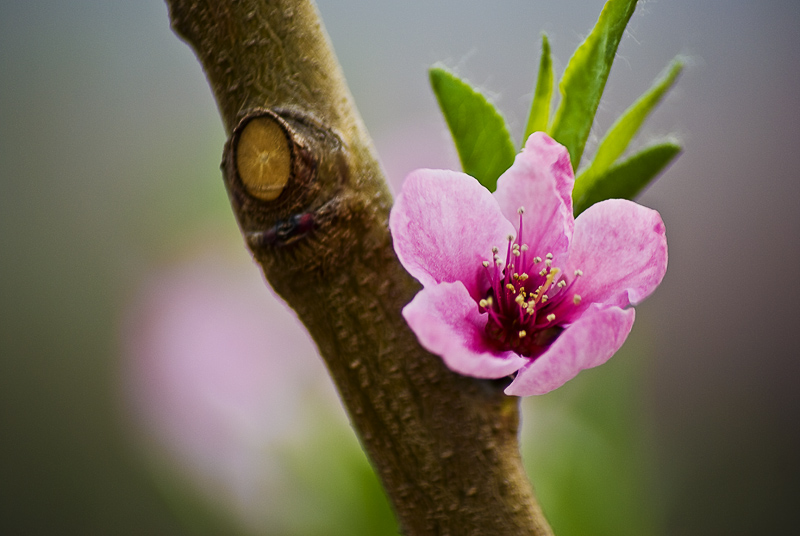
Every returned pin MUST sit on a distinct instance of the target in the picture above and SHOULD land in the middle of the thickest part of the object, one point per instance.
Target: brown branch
(312, 204)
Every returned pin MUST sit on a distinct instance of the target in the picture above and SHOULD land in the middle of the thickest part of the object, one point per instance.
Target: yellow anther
(495, 250)
(576, 299)
(578, 273)
(537, 260)
(549, 256)
(485, 264)
(522, 334)
(483, 303)
(510, 287)
(520, 299)
(524, 247)
(543, 272)
(562, 284)
(523, 277)
(551, 317)
(548, 263)
(521, 210)
(516, 252)
(544, 298)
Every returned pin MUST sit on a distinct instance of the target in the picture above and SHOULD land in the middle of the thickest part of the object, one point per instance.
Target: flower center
(527, 298)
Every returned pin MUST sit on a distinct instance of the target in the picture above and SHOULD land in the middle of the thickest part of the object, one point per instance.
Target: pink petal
(621, 249)
(589, 342)
(447, 323)
(444, 225)
(540, 180)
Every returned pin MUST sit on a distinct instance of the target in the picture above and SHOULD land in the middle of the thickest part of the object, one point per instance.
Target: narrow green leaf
(480, 133)
(624, 129)
(628, 178)
(540, 107)
(585, 78)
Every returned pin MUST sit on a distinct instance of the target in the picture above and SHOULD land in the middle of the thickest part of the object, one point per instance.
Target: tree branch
(312, 204)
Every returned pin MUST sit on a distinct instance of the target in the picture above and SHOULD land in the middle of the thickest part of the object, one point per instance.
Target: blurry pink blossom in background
(218, 373)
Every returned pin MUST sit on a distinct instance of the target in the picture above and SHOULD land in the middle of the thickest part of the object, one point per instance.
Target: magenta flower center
(527, 298)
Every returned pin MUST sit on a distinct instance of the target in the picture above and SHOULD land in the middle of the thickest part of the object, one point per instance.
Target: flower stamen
(526, 307)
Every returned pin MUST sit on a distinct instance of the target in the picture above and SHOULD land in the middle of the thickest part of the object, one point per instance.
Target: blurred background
(151, 384)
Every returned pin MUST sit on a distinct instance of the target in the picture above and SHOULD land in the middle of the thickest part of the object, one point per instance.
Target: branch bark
(312, 204)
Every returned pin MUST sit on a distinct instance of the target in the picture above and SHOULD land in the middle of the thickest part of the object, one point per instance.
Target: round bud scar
(263, 158)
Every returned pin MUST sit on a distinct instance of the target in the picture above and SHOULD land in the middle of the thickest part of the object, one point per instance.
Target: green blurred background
(116, 229)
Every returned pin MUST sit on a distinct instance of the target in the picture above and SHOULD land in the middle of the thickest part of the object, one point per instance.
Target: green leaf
(625, 128)
(540, 107)
(627, 179)
(585, 78)
(480, 133)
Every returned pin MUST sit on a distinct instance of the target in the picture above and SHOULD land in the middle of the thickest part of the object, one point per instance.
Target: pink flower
(512, 283)
(222, 380)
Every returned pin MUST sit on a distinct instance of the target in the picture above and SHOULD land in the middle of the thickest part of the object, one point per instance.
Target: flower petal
(589, 342)
(540, 180)
(447, 323)
(621, 248)
(444, 224)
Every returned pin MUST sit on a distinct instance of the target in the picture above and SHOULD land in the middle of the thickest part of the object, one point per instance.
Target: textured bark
(445, 446)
